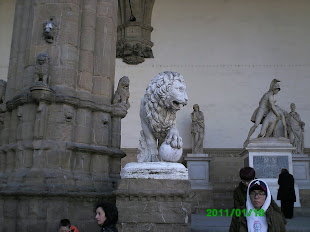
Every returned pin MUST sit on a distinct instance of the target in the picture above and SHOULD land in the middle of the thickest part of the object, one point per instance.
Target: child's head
(64, 225)
(247, 174)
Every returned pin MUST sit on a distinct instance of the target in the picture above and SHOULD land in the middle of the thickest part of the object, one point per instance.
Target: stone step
(201, 223)
(301, 212)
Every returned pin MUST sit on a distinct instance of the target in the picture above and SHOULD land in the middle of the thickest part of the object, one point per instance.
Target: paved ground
(201, 223)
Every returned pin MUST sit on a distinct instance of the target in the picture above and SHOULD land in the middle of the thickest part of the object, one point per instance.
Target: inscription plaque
(269, 166)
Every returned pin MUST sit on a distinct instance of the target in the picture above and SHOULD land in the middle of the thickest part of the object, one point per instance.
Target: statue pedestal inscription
(154, 196)
(198, 168)
(268, 156)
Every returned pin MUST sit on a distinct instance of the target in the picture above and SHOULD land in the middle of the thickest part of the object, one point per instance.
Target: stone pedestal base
(301, 170)
(268, 156)
(154, 170)
(154, 204)
(198, 169)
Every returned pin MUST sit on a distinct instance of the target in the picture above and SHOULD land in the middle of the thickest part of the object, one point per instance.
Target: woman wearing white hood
(258, 216)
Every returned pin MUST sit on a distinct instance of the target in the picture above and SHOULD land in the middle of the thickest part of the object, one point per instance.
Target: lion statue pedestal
(158, 196)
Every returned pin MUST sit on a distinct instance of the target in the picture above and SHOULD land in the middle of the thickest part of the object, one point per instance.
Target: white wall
(7, 8)
(228, 52)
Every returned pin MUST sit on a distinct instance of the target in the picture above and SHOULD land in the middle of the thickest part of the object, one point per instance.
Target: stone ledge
(61, 194)
(156, 196)
(155, 170)
(269, 144)
(51, 144)
(102, 150)
(25, 97)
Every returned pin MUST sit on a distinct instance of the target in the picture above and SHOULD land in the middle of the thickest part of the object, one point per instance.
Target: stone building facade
(60, 133)
(227, 51)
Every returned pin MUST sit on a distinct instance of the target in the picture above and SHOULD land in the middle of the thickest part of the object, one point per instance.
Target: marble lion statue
(164, 96)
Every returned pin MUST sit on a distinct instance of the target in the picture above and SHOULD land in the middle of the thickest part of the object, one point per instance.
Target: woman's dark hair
(284, 170)
(247, 173)
(110, 211)
(64, 223)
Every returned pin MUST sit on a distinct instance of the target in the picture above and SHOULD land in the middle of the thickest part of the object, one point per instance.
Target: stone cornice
(116, 110)
(56, 194)
(50, 144)
(167, 196)
(212, 152)
(102, 150)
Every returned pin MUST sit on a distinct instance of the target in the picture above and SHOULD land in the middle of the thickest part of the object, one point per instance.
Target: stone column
(57, 148)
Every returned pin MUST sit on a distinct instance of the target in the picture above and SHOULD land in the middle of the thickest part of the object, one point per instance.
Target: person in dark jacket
(286, 193)
(258, 214)
(247, 174)
(65, 226)
(106, 216)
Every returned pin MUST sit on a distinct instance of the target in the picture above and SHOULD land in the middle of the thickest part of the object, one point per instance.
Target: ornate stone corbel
(134, 32)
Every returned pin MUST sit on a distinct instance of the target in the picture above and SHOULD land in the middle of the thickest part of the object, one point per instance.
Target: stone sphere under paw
(167, 153)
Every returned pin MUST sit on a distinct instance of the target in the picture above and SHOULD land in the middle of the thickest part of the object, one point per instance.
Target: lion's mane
(160, 116)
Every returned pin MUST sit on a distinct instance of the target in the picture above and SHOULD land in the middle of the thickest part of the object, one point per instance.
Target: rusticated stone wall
(60, 136)
(154, 205)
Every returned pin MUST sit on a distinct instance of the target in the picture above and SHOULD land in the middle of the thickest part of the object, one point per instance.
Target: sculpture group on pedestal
(164, 96)
(276, 122)
(266, 104)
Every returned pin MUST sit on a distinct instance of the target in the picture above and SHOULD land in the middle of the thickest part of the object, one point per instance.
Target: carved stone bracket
(40, 92)
(134, 32)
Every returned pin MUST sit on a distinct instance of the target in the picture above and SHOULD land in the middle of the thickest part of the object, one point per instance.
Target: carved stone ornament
(122, 93)
(41, 92)
(164, 96)
(134, 31)
(50, 30)
(41, 70)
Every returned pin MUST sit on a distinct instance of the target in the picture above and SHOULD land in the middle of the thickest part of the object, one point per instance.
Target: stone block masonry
(59, 136)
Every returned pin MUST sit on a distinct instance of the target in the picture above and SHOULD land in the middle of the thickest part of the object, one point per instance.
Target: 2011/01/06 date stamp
(236, 212)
